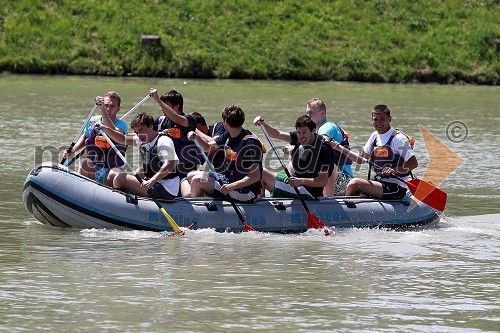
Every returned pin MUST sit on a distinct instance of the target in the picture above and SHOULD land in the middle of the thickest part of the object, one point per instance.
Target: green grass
(377, 41)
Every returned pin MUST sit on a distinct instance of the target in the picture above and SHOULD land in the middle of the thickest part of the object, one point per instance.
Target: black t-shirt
(164, 123)
(309, 160)
(216, 130)
(248, 151)
(217, 158)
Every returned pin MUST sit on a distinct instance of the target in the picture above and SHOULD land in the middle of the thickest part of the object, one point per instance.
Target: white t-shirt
(166, 152)
(399, 145)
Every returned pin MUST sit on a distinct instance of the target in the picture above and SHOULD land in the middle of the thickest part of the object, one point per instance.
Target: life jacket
(232, 167)
(222, 158)
(151, 162)
(231, 155)
(383, 156)
(342, 159)
(99, 150)
(187, 152)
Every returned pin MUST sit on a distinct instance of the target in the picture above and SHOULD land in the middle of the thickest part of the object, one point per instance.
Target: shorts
(284, 190)
(182, 176)
(341, 183)
(392, 191)
(183, 170)
(241, 194)
(157, 191)
(101, 174)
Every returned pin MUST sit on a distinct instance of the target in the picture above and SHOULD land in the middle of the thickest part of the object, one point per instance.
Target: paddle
(423, 191)
(77, 136)
(246, 227)
(135, 107)
(312, 220)
(170, 220)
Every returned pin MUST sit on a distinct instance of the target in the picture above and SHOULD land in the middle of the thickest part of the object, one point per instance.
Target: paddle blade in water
(171, 221)
(428, 193)
(315, 223)
(246, 227)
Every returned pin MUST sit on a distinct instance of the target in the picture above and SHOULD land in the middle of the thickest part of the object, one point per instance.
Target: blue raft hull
(56, 196)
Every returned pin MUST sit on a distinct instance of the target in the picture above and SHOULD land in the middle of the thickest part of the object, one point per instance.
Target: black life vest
(151, 162)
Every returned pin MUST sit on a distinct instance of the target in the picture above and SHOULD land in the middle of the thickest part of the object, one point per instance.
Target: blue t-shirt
(333, 131)
(117, 122)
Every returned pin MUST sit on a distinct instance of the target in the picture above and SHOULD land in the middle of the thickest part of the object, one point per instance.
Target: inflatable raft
(56, 196)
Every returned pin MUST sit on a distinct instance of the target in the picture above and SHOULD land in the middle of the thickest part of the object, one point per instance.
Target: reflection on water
(443, 279)
(103, 280)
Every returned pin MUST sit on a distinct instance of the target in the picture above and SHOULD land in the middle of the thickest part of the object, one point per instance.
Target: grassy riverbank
(378, 41)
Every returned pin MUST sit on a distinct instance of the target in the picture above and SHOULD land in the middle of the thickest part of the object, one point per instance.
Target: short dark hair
(200, 120)
(304, 121)
(174, 98)
(233, 115)
(381, 108)
(143, 118)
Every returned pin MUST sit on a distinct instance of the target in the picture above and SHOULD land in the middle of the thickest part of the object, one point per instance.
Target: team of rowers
(170, 150)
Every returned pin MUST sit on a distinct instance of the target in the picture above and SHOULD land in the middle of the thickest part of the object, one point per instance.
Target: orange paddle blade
(314, 222)
(428, 193)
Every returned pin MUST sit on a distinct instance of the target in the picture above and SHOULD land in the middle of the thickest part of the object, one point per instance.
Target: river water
(444, 279)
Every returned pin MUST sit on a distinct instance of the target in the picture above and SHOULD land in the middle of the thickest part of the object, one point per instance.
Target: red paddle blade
(246, 227)
(428, 193)
(315, 223)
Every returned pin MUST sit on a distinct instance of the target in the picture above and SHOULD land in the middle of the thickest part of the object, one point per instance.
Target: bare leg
(130, 183)
(111, 176)
(358, 186)
(191, 174)
(201, 184)
(268, 180)
(87, 168)
(185, 188)
(329, 189)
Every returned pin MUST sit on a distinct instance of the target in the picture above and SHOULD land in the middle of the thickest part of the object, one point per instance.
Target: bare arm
(272, 131)
(79, 144)
(203, 136)
(117, 135)
(169, 112)
(209, 147)
(350, 155)
(408, 166)
(320, 181)
(253, 176)
(167, 168)
(106, 120)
